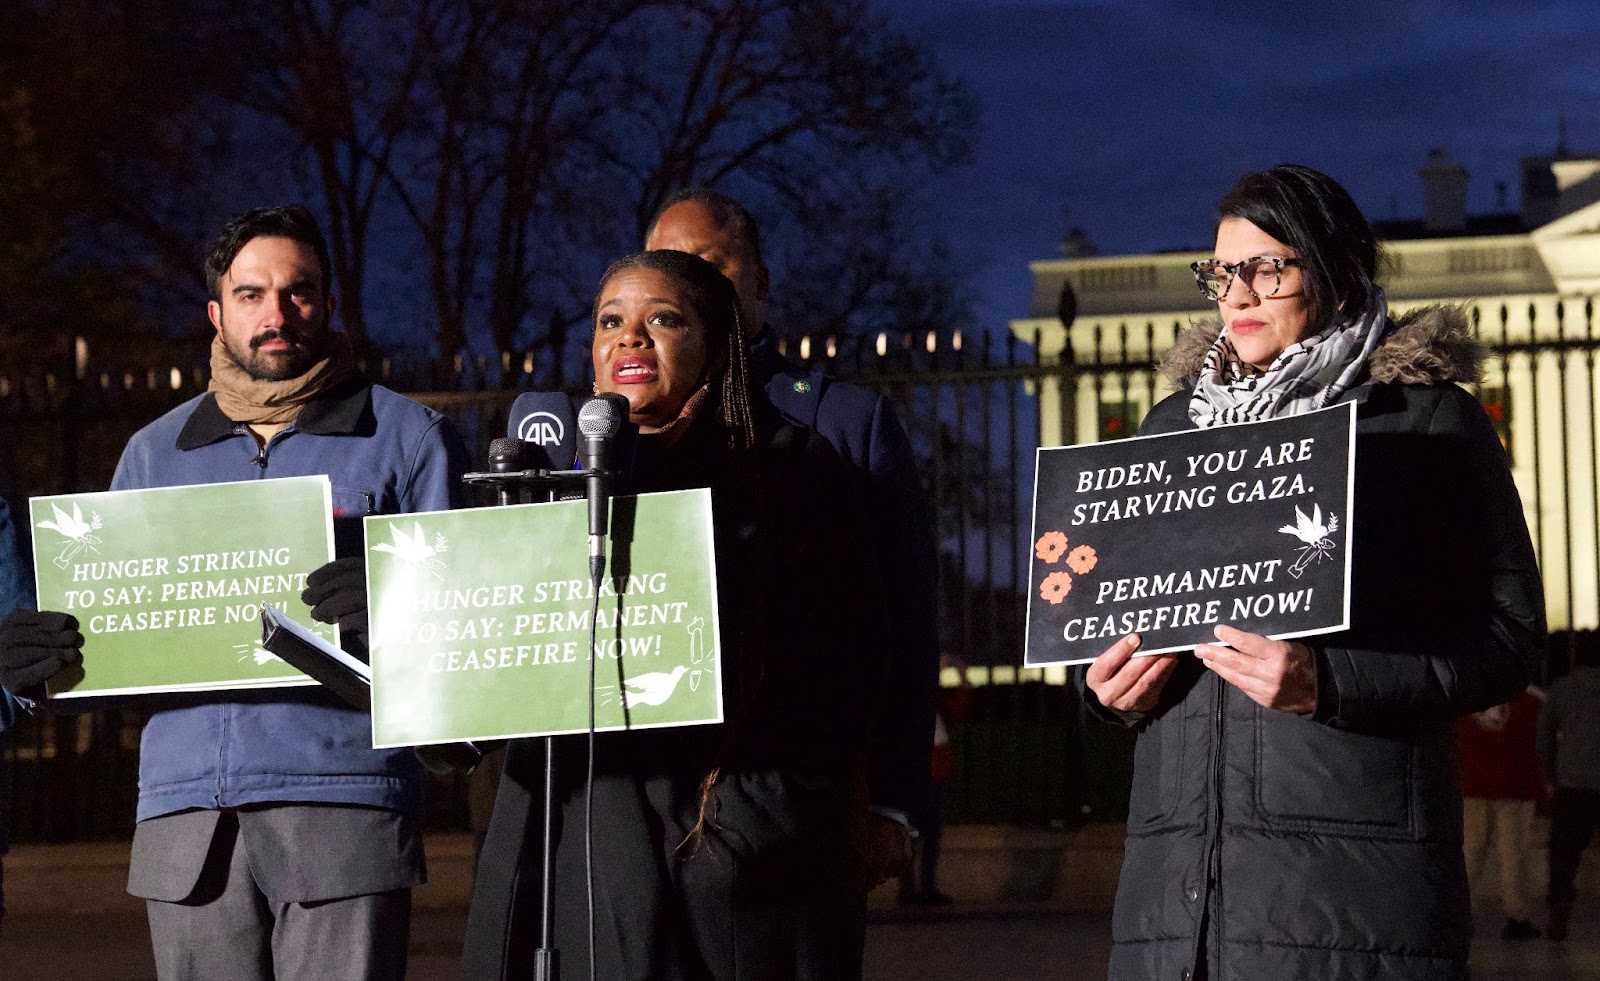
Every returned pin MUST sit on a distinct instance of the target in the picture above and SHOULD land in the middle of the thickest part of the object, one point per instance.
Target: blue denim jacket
(384, 454)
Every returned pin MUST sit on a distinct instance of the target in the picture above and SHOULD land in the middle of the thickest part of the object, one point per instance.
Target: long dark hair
(715, 303)
(1311, 213)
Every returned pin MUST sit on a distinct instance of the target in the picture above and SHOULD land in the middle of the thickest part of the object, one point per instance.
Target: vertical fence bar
(1538, 468)
(1566, 467)
(1594, 434)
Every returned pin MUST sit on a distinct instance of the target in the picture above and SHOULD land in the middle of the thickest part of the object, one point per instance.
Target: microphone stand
(546, 484)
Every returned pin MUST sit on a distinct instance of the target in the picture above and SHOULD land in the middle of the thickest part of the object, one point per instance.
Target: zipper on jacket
(263, 450)
(1209, 920)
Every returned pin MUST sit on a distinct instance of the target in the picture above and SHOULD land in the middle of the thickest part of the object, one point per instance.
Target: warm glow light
(805, 349)
(955, 341)
(833, 348)
(80, 355)
(177, 379)
(883, 344)
(933, 341)
(527, 363)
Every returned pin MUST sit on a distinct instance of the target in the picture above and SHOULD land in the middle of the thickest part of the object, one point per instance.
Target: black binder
(345, 676)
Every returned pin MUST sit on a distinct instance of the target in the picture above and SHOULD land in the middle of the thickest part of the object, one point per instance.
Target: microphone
(599, 421)
(544, 423)
(505, 456)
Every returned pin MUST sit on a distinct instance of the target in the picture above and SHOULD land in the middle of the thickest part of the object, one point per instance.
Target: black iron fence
(976, 409)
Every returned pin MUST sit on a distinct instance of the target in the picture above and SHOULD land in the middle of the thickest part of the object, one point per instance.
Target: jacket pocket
(1157, 771)
(1311, 774)
(350, 505)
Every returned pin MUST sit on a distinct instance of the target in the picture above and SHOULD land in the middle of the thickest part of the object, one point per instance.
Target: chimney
(1444, 193)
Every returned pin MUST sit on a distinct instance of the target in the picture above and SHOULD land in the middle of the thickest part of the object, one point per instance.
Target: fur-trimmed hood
(1429, 345)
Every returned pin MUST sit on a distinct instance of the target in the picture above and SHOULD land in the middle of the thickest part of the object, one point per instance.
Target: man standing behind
(273, 842)
(862, 426)
(1569, 755)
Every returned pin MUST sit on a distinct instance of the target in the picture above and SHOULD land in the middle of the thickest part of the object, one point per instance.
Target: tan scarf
(245, 399)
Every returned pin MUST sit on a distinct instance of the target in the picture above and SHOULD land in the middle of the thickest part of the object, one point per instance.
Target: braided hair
(712, 298)
(714, 301)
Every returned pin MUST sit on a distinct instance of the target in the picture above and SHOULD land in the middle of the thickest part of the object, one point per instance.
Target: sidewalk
(959, 943)
(71, 920)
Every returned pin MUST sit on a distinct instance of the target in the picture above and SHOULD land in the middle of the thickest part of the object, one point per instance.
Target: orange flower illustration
(1055, 587)
(1083, 559)
(1050, 546)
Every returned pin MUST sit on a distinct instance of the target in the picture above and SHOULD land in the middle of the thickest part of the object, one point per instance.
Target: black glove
(35, 647)
(337, 593)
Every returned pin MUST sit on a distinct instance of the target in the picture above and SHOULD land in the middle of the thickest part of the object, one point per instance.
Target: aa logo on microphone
(543, 428)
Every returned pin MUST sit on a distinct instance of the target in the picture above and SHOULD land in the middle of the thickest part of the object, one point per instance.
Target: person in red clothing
(920, 882)
(1500, 783)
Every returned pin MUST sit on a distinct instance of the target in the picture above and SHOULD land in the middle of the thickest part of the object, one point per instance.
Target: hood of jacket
(1429, 345)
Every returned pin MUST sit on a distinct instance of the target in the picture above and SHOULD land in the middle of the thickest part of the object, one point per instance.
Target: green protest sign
(167, 582)
(481, 618)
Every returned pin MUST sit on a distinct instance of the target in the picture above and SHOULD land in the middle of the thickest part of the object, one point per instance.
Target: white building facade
(1534, 293)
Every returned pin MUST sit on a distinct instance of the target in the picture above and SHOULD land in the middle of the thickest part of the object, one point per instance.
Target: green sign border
(714, 627)
(295, 680)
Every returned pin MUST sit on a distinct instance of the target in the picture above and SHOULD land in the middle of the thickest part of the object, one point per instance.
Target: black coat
(1271, 845)
(864, 428)
(767, 891)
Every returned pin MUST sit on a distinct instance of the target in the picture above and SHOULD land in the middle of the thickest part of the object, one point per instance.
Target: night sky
(1137, 116)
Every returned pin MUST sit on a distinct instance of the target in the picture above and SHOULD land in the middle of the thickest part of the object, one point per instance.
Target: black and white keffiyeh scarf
(1309, 374)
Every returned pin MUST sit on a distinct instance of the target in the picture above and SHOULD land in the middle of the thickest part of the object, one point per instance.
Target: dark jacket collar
(345, 410)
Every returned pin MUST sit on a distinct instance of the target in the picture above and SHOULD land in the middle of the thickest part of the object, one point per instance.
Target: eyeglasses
(1262, 275)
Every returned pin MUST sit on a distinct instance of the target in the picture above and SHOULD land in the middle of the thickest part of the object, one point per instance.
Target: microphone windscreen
(602, 416)
(546, 425)
(505, 455)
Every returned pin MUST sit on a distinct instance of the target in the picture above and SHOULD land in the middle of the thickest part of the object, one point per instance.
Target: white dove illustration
(653, 688)
(1311, 530)
(72, 525)
(408, 548)
(80, 534)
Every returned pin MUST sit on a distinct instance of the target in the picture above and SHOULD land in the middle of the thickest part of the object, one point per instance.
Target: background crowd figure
(1537, 755)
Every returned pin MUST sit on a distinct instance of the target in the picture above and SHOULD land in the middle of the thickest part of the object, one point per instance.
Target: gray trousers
(279, 893)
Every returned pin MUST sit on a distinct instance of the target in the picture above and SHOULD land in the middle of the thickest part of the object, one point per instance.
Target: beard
(305, 350)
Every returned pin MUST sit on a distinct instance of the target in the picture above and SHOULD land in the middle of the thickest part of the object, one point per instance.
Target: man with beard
(273, 842)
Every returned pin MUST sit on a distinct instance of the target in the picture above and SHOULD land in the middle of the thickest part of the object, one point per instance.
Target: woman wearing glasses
(1295, 811)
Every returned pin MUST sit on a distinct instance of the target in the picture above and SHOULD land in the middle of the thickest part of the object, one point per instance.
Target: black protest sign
(1168, 536)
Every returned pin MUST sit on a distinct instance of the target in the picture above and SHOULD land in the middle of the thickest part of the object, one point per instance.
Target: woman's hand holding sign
(1275, 674)
(1127, 683)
